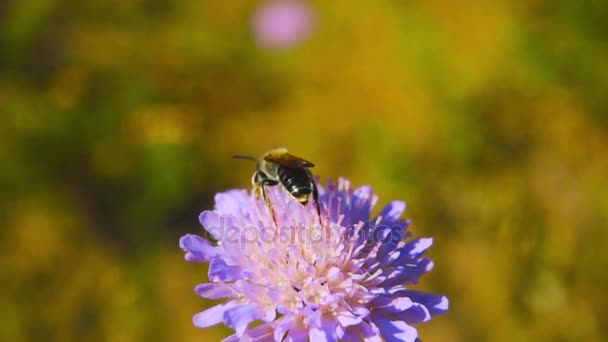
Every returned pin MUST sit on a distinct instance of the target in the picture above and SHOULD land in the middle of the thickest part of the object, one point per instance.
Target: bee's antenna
(238, 156)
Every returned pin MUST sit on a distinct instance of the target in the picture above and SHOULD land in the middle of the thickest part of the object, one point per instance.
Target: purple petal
(311, 317)
(419, 246)
(436, 304)
(360, 311)
(250, 289)
(213, 315)
(232, 202)
(387, 255)
(394, 238)
(335, 202)
(347, 319)
(392, 212)
(361, 205)
(322, 328)
(239, 317)
(415, 314)
(390, 238)
(352, 334)
(213, 223)
(261, 333)
(286, 324)
(413, 249)
(197, 249)
(297, 334)
(395, 330)
(270, 315)
(323, 334)
(219, 271)
(214, 291)
(363, 331)
(392, 304)
(371, 332)
(408, 273)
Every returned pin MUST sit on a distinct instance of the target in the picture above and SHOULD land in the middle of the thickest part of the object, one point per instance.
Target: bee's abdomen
(297, 181)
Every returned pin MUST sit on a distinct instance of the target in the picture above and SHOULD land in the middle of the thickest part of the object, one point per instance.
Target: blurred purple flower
(347, 280)
(282, 23)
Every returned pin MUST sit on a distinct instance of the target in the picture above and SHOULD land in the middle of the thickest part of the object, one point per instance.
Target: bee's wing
(288, 160)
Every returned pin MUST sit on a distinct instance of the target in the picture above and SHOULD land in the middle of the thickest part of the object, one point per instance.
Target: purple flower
(281, 24)
(346, 280)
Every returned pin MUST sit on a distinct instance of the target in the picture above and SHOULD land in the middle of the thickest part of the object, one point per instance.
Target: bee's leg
(267, 200)
(256, 190)
(315, 196)
(256, 184)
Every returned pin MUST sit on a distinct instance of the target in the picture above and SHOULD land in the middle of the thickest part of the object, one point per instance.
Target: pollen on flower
(349, 279)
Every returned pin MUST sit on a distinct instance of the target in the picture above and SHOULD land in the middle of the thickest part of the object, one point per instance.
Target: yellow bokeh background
(118, 119)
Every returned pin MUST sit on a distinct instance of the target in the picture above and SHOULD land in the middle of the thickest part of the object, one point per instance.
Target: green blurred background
(118, 119)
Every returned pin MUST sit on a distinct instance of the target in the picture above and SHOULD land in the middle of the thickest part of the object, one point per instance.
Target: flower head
(281, 24)
(348, 279)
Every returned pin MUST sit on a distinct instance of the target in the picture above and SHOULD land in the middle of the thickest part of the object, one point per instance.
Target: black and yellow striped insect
(279, 167)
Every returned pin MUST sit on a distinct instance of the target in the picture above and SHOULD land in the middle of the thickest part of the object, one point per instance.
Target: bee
(279, 167)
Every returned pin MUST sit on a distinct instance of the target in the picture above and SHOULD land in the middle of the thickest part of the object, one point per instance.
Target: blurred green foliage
(118, 119)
